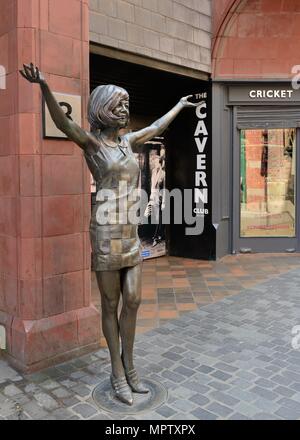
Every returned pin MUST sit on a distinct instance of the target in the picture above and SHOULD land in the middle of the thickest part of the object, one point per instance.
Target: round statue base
(105, 399)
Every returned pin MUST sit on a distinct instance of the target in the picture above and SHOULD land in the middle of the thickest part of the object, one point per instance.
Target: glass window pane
(268, 183)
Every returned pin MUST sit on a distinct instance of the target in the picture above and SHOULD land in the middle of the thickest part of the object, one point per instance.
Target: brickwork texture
(178, 32)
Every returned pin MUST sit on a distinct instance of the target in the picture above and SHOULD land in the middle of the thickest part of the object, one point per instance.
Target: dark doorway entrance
(152, 93)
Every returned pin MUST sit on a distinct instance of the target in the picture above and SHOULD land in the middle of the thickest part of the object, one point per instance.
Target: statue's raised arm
(159, 126)
(81, 137)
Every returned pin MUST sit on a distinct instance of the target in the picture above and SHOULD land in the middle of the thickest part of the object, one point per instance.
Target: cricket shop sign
(271, 94)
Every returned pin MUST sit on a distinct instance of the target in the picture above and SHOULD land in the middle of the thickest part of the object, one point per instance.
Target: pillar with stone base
(45, 298)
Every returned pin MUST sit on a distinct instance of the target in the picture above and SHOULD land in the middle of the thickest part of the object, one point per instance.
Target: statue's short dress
(114, 239)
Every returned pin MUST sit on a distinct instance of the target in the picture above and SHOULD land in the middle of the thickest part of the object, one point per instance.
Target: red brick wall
(220, 9)
(260, 39)
(44, 186)
(9, 182)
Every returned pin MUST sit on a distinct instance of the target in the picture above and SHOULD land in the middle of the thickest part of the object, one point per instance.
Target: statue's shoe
(135, 383)
(121, 390)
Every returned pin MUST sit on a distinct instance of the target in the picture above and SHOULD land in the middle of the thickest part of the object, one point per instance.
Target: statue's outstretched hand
(32, 73)
(186, 103)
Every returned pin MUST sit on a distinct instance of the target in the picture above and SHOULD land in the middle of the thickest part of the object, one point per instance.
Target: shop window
(268, 183)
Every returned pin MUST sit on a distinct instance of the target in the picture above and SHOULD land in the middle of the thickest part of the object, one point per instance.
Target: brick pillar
(45, 299)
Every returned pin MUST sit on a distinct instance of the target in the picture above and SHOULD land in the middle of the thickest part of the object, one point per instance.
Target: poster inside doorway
(152, 233)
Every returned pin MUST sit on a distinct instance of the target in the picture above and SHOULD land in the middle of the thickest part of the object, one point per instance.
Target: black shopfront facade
(153, 91)
(256, 163)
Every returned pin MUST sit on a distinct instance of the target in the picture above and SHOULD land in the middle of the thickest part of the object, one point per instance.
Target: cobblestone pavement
(172, 286)
(231, 359)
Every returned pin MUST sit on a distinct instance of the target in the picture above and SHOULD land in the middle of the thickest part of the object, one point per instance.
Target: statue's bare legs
(111, 284)
(131, 289)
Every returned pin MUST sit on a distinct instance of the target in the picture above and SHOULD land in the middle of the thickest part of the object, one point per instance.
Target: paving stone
(61, 393)
(241, 383)
(224, 367)
(205, 369)
(295, 377)
(37, 377)
(62, 414)
(202, 414)
(186, 372)
(262, 392)
(290, 403)
(295, 386)
(284, 391)
(266, 405)
(246, 375)
(221, 375)
(7, 373)
(34, 410)
(32, 388)
(265, 416)
(11, 390)
(183, 393)
(246, 409)
(7, 407)
(172, 356)
(219, 385)
(288, 413)
(46, 401)
(219, 409)
(224, 398)
(165, 364)
(85, 410)
(104, 417)
(265, 383)
(296, 397)
(70, 401)
(237, 416)
(90, 380)
(281, 380)
(67, 383)
(18, 416)
(173, 377)
(202, 378)
(77, 374)
(242, 395)
(21, 399)
(81, 390)
(184, 406)
(166, 411)
(199, 400)
(50, 384)
(265, 373)
(196, 387)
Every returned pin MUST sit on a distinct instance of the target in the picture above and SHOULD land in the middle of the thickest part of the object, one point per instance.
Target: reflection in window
(268, 167)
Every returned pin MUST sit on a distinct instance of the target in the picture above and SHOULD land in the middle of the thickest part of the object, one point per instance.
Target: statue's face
(122, 112)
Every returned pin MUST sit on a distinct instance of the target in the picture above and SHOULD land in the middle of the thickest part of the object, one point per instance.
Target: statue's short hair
(102, 102)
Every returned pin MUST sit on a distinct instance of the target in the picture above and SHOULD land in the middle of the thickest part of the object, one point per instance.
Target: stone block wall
(178, 32)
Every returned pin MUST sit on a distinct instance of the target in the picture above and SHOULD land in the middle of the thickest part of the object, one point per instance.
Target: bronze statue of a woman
(115, 245)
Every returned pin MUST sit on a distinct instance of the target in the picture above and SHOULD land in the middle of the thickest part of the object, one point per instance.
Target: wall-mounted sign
(263, 93)
(270, 94)
(189, 171)
(71, 105)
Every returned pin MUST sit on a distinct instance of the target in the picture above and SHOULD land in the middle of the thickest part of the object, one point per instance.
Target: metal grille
(268, 117)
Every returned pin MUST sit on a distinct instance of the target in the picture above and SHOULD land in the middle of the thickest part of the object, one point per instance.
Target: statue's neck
(110, 134)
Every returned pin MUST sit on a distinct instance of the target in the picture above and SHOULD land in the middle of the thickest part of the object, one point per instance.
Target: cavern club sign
(190, 170)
